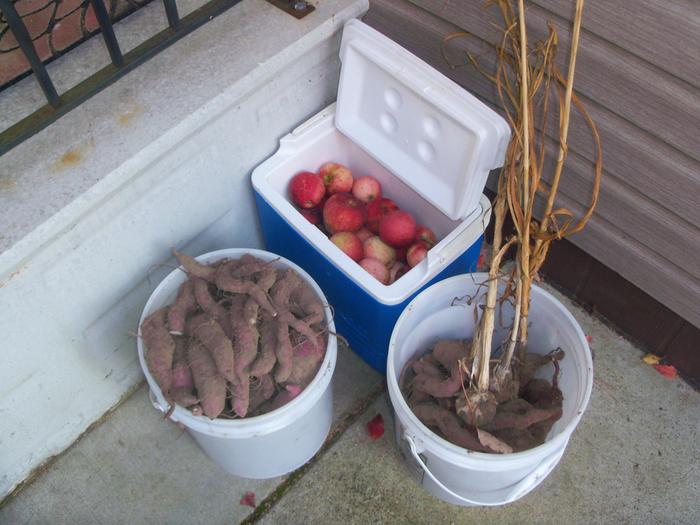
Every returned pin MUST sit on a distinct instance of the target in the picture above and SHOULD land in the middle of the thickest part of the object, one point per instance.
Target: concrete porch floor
(633, 459)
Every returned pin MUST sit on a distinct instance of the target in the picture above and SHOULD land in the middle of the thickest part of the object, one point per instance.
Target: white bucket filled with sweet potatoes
(267, 445)
(455, 474)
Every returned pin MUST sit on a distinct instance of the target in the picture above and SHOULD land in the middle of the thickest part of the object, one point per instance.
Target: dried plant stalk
(525, 77)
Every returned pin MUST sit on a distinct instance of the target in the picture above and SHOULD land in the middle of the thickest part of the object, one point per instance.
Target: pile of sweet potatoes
(436, 387)
(241, 338)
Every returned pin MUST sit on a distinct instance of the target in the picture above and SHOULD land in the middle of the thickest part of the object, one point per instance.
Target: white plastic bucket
(265, 446)
(452, 473)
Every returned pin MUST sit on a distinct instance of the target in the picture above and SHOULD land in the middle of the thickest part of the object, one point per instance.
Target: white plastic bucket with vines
(271, 444)
(452, 473)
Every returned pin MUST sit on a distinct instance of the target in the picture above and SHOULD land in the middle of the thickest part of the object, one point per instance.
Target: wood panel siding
(646, 225)
(663, 32)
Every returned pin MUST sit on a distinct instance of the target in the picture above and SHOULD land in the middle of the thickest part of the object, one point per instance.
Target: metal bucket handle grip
(519, 489)
(158, 406)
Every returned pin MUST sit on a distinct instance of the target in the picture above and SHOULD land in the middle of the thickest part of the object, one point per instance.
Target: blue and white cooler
(431, 145)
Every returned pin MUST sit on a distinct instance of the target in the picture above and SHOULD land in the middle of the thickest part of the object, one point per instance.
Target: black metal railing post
(108, 32)
(25, 43)
(171, 13)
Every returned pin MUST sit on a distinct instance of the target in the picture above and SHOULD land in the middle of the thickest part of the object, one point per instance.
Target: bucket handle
(519, 489)
(156, 404)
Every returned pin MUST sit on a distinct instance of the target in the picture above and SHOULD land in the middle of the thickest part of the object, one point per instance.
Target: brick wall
(55, 26)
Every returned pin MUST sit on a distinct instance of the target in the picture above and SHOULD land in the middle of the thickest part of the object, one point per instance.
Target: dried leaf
(248, 499)
(651, 359)
(668, 371)
(375, 427)
(493, 443)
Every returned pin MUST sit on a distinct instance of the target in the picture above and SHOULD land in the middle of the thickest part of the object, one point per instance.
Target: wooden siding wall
(638, 72)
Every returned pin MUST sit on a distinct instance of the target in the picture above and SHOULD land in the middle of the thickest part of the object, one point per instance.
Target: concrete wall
(71, 292)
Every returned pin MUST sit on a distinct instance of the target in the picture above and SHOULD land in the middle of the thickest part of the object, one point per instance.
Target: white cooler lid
(424, 128)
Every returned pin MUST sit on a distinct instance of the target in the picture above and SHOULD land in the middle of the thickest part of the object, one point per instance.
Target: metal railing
(60, 104)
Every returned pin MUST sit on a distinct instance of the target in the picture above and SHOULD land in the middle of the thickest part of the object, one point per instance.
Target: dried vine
(527, 81)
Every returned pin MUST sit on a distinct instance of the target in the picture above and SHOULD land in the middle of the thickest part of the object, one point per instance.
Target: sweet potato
(447, 351)
(283, 351)
(265, 361)
(240, 393)
(184, 305)
(306, 305)
(194, 268)
(211, 386)
(306, 360)
(207, 331)
(260, 391)
(427, 365)
(160, 348)
(448, 424)
(439, 386)
(209, 305)
(285, 396)
(182, 384)
(226, 282)
(245, 334)
(523, 417)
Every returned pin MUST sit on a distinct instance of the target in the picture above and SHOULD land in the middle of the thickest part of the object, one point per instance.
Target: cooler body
(365, 310)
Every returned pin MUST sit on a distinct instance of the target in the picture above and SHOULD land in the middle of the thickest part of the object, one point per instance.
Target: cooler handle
(457, 240)
(519, 489)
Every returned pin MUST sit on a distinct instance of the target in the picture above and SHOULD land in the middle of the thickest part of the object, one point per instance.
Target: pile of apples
(368, 227)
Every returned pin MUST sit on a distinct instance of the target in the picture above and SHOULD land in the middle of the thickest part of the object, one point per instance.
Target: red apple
(396, 270)
(364, 234)
(313, 215)
(336, 177)
(400, 253)
(398, 228)
(306, 189)
(416, 253)
(375, 248)
(426, 235)
(367, 189)
(349, 243)
(377, 210)
(376, 269)
(343, 213)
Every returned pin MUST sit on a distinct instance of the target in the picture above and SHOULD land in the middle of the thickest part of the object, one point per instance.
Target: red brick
(8, 41)
(43, 49)
(91, 24)
(12, 65)
(66, 32)
(38, 22)
(67, 6)
(24, 7)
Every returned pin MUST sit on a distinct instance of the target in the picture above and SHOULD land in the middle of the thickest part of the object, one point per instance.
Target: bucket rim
(459, 454)
(249, 426)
